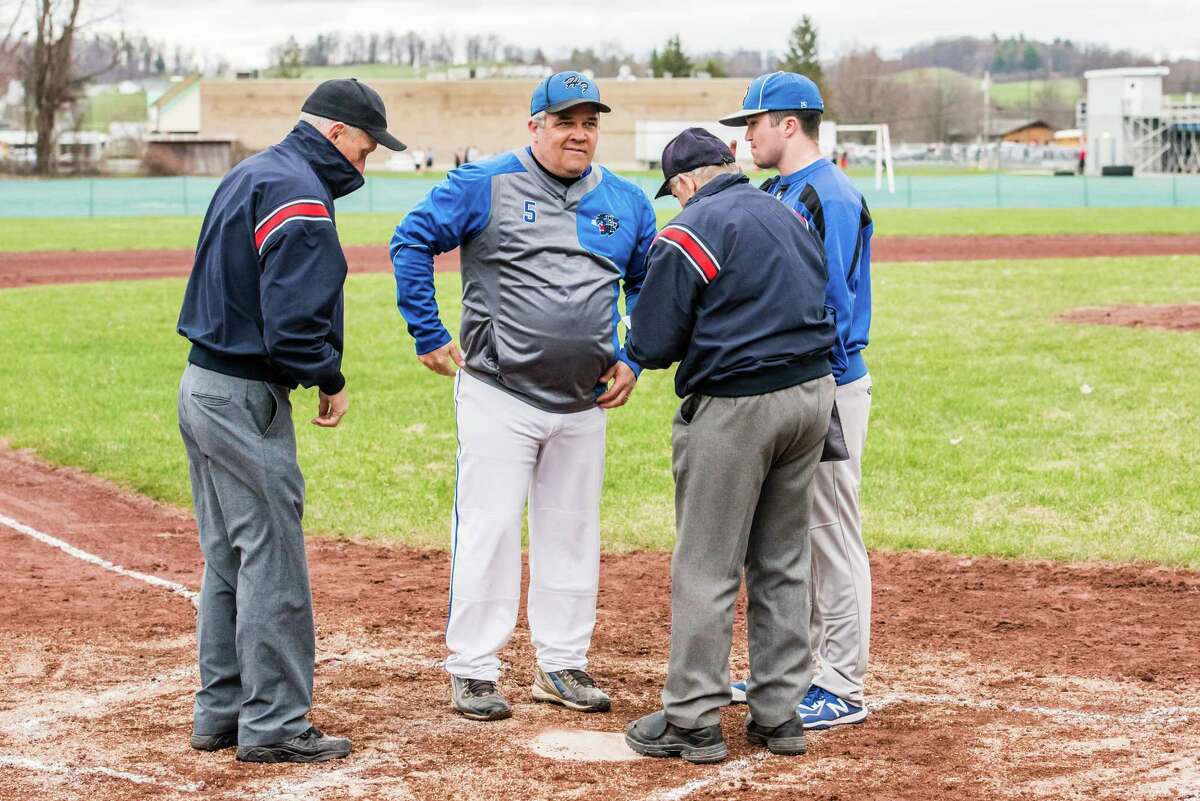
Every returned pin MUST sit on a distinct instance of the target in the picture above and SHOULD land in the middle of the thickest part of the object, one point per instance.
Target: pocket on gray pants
(263, 406)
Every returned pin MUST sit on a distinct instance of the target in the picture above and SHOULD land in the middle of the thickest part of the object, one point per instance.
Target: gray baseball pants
(841, 573)
(254, 631)
(740, 464)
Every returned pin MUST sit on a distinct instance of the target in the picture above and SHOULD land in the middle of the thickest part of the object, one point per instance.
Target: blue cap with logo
(563, 90)
(777, 91)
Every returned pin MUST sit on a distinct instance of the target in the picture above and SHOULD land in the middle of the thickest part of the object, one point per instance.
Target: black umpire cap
(693, 148)
(346, 100)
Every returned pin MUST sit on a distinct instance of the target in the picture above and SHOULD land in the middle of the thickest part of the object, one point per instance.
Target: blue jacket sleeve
(841, 246)
(453, 212)
(300, 289)
(666, 311)
(635, 273)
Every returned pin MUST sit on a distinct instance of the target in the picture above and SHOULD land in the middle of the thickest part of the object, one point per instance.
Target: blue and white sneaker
(826, 710)
(738, 691)
(810, 700)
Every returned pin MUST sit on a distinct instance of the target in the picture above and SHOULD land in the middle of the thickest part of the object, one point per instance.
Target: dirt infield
(23, 269)
(991, 679)
(1182, 317)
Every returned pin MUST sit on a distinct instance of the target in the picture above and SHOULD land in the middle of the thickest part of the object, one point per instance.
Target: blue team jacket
(824, 196)
(542, 269)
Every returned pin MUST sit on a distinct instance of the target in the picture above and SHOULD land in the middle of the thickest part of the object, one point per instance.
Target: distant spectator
(429, 158)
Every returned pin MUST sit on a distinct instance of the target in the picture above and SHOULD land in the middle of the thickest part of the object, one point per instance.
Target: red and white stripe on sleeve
(694, 251)
(293, 210)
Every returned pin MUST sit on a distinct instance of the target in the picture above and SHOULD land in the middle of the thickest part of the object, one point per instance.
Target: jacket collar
(338, 174)
(718, 184)
(586, 183)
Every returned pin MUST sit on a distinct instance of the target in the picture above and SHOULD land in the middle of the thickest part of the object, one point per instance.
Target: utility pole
(987, 108)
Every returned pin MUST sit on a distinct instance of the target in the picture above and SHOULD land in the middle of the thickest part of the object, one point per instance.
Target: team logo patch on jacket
(606, 224)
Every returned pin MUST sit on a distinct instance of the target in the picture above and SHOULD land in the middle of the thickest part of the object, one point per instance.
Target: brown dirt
(991, 679)
(23, 269)
(1183, 317)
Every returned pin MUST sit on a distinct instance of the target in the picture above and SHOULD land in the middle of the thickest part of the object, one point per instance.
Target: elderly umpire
(735, 292)
(263, 310)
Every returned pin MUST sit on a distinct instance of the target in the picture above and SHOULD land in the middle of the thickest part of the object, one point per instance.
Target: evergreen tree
(714, 68)
(802, 51)
(672, 61)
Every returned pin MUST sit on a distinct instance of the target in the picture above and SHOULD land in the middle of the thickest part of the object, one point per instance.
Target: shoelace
(581, 678)
(811, 698)
(313, 731)
(479, 688)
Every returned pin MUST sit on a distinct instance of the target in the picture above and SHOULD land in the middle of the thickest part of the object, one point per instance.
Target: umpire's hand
(331, 409)
(623, 381)
(443, 360)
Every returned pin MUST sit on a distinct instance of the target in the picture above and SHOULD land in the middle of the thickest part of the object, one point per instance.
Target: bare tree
(11, 38)
(860, 89)
(53, 81)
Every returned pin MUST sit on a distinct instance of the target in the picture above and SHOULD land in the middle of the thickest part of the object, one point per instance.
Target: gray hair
(539, 119)
(323, 124)
(702, 175)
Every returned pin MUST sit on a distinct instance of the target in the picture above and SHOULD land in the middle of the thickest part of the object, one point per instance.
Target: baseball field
(1029, 499)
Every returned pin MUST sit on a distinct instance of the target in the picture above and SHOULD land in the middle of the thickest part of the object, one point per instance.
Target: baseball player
(263, 310)
(547, 240)
(735, 293)
(782, 116)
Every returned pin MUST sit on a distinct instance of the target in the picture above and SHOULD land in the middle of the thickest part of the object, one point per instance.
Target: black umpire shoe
(214, 742)
(654, 736)
(786, 739)
(311, 746)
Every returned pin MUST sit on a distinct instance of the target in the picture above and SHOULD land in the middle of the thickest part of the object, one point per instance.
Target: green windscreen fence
(132, 197)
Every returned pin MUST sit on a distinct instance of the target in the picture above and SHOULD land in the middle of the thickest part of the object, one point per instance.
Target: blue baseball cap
(563, 90)
(777, 91)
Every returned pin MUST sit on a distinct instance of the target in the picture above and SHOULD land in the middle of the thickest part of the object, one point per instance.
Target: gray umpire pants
(743, 478)
(254, 631)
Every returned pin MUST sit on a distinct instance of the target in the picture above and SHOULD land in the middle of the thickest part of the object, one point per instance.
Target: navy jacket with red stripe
(734, 292)
(264, 300)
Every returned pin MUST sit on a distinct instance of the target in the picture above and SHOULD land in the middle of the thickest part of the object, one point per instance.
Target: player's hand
(443, 360)
(623, 381)
(331, 409)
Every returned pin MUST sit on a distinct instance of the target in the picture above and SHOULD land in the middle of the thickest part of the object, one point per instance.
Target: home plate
(580, 745)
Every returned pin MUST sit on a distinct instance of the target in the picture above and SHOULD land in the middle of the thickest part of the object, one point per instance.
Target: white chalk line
(733, 770)
(91, 558)
(25, 763)
(1173, 714)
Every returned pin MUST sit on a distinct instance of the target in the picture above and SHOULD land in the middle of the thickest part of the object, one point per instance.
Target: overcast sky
(244, 30)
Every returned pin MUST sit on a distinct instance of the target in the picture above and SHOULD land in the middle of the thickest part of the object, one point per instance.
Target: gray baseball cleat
(476, 699)
(573, 689)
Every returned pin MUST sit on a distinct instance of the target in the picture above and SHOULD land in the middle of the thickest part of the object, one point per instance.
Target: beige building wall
(490, 115)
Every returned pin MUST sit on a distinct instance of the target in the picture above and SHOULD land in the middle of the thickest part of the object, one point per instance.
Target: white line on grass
(25, 763)
(91, 558)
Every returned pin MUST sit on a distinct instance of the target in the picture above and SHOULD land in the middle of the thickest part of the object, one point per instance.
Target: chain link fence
(136, 197)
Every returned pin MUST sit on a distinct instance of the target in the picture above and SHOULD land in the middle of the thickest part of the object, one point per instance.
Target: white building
(1129, 122)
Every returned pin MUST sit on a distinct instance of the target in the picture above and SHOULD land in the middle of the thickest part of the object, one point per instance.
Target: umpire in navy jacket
(735, 292)
(263, 311)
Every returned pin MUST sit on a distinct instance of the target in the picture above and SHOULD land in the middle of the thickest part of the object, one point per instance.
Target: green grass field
(19, 234)
(112, 106)
(1022, 94)
(982, 441)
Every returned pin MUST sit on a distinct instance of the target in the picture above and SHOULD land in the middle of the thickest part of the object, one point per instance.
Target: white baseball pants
(508, 452)
(841, 575)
